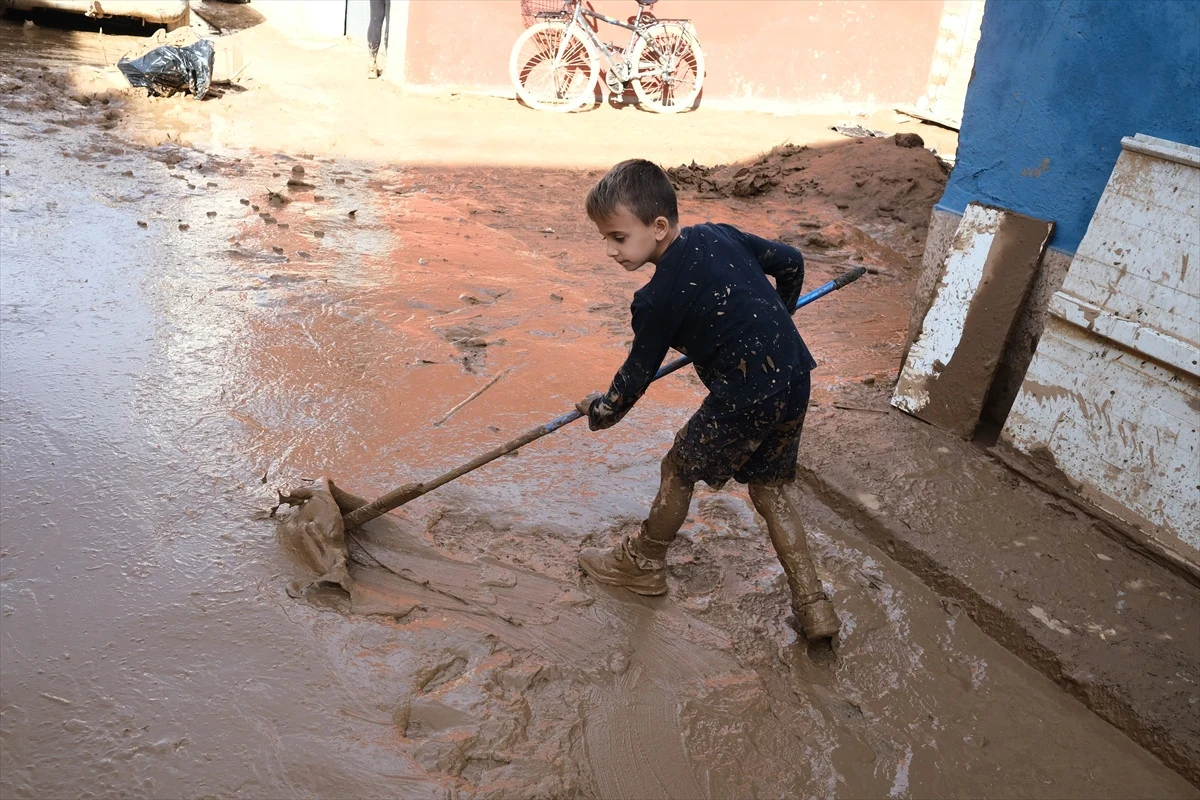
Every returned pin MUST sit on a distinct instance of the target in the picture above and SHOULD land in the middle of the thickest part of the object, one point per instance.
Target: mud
(958, 390)
(1054, 584)
(694, 696)
(879, 184)
(159, 382)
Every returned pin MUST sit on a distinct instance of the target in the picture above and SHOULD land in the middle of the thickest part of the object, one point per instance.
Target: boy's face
(631, 242)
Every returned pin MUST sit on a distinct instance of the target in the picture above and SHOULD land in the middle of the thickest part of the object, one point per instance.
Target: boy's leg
(639, 563)
(813, 609)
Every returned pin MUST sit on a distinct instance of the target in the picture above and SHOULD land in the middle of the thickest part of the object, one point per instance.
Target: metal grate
(535, 11)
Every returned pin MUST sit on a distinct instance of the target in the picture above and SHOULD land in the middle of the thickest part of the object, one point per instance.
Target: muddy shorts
(751, 445)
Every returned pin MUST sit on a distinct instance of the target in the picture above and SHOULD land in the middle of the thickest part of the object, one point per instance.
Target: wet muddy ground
(176, 341)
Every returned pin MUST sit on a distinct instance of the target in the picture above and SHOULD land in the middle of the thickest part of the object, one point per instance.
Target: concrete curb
(1007, 628)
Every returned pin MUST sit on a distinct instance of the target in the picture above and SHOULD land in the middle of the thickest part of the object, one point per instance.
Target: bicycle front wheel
(554, 68)
(669, 68)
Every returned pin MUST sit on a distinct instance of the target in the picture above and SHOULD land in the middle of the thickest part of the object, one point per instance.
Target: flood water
(169, 356)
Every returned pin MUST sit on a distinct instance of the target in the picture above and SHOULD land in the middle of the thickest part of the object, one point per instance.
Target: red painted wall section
(767, 53)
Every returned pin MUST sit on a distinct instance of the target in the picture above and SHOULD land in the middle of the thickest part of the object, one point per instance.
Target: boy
(710, 299)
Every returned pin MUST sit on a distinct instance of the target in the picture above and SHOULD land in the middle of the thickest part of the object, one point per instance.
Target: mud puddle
(160, 377)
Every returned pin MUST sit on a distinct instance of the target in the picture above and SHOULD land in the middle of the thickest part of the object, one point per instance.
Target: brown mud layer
(184, 327)
(882, 184)
(956, 391)
(531, 682)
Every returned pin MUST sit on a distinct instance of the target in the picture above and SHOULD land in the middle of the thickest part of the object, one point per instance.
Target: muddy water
(158, 380)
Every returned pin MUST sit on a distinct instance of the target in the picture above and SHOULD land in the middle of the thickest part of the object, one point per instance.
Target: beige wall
(305, 18)
(801, 55)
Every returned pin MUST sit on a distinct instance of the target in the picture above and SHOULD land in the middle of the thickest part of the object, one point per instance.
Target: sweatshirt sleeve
(651, 340)
(781, 261)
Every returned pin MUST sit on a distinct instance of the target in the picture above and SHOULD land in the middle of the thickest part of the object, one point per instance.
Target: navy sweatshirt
(710, 299)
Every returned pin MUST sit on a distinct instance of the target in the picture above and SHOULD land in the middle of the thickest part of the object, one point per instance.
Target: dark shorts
(758, 444)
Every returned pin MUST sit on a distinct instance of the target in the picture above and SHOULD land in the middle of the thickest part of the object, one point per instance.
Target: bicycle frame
(637, 30)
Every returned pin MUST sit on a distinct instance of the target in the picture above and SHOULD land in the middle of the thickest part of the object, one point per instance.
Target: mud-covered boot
(626, 565)
(816, 616)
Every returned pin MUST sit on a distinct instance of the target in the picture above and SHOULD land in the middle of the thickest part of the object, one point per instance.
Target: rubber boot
(639, 563)
(812, 608)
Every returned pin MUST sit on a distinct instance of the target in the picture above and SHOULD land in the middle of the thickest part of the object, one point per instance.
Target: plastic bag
(168, 69)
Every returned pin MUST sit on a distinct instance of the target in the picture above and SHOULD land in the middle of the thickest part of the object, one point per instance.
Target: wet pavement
(169, 355)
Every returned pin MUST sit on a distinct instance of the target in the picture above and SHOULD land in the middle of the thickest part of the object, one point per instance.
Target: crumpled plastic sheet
(169, 69)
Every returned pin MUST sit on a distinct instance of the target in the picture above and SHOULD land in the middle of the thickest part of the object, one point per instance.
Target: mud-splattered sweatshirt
(710, 299)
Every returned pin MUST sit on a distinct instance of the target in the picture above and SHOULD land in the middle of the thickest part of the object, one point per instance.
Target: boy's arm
(781, 261)
(650, 345)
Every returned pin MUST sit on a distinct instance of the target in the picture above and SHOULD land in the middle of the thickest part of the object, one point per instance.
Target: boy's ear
(661, 227)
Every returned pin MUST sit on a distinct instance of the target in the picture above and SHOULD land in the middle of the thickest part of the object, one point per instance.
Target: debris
(141, 223)
(858, 132)
(1058, 626)
(183, 226)
(166, 70)
(849, 176)
(860, 408)
(909, 140)
(471, 397)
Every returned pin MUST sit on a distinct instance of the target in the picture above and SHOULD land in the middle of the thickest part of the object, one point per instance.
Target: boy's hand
(584, 406)
(599, 413)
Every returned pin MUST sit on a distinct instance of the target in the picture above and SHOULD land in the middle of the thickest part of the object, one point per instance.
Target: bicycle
(555, 63)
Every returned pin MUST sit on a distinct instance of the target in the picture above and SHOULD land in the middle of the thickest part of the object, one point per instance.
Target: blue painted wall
(1056, 86)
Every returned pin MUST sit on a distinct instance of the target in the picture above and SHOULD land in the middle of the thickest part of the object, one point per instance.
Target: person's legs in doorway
(379, 12)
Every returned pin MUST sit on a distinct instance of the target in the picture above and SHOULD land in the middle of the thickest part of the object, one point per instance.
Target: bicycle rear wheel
(548, 81)
(669, 68)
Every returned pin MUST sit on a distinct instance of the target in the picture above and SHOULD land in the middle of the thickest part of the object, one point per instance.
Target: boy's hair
(639, 185)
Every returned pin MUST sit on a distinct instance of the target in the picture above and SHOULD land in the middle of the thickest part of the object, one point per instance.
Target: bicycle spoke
(554, 68)
(669, 70)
